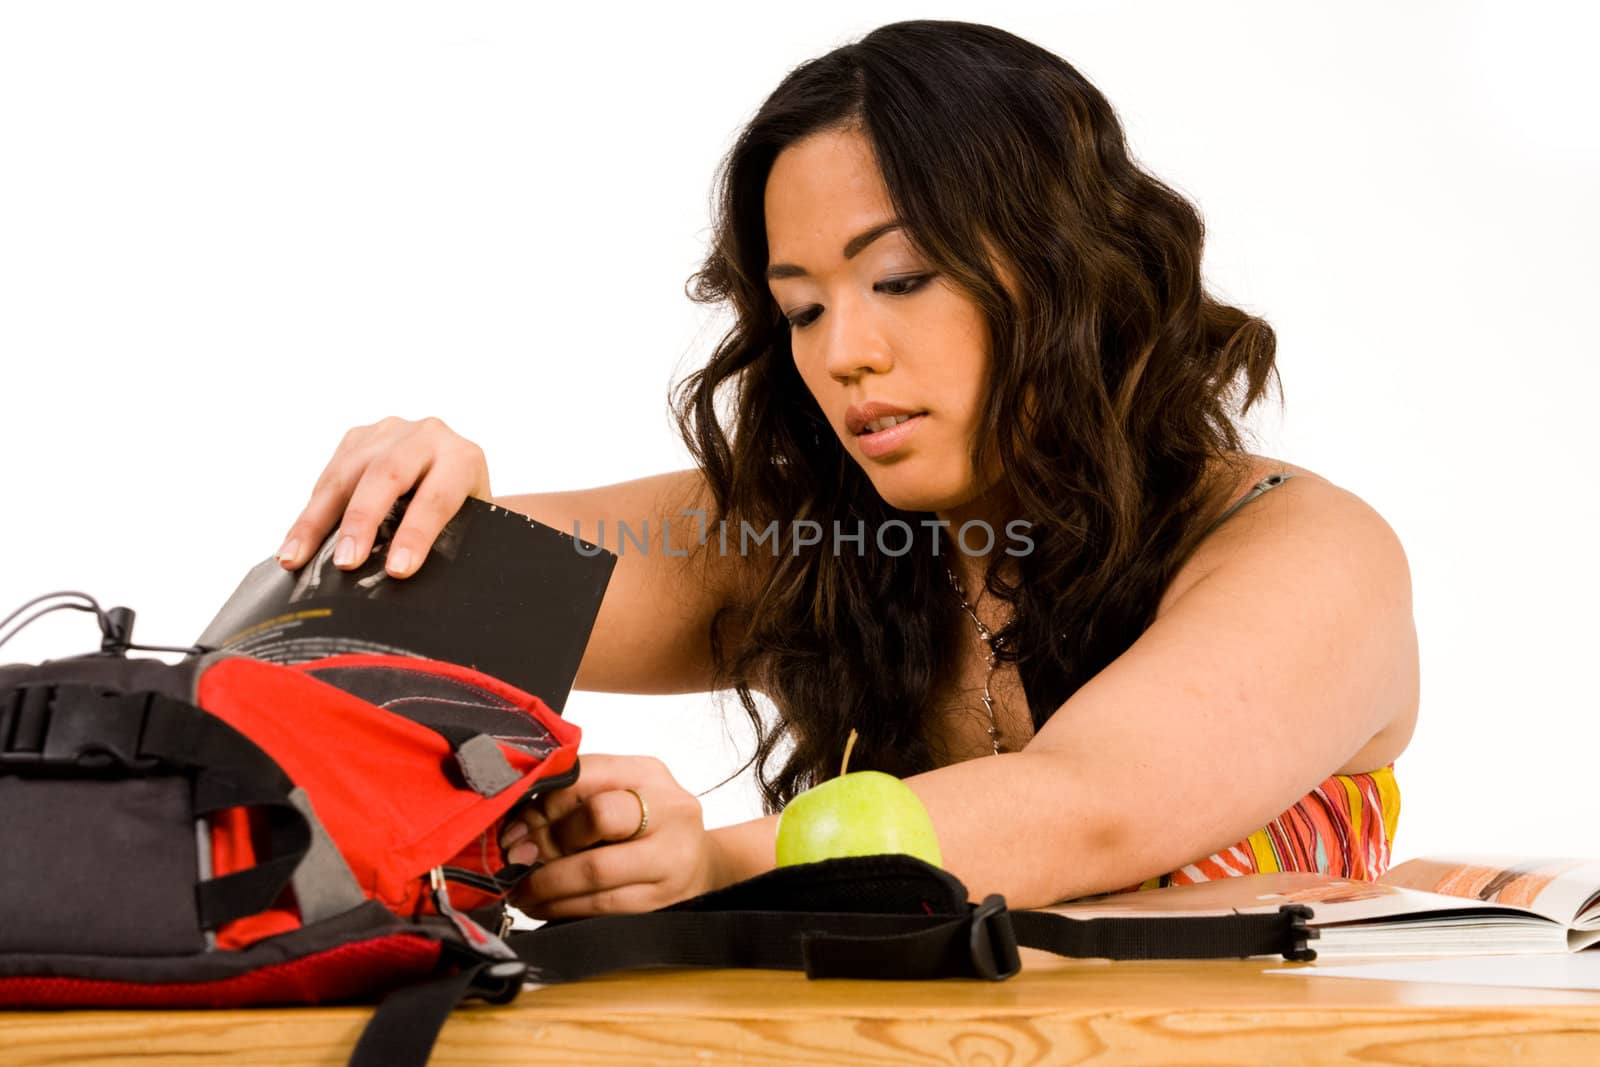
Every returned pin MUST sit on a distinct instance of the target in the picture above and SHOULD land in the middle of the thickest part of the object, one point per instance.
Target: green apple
(866, 813)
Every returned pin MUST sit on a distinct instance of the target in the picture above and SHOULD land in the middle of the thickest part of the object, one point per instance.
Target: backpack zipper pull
(479, 939)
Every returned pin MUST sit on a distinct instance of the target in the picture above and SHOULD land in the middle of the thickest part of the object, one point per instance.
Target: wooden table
(1057, 1011)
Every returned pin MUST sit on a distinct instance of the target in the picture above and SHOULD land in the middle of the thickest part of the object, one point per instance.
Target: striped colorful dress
(1344, 827)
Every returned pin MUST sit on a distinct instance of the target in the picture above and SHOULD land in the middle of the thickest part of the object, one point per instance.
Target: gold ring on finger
(644, 814)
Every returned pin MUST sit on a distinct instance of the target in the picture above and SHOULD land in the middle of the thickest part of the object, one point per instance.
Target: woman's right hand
(373, 467)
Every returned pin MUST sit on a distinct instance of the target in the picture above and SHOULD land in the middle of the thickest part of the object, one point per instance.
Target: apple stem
(848, 745)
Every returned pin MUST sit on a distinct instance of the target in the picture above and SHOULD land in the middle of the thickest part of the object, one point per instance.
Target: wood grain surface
(1055, 1012)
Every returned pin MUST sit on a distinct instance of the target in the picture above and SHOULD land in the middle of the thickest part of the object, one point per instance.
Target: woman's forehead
(824, 193)
(827, 181)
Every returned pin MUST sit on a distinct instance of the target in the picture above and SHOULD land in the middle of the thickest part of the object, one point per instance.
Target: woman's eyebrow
(851, 247)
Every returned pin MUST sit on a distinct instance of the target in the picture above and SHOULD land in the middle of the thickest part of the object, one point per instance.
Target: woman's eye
(894, 287)
(902, 286)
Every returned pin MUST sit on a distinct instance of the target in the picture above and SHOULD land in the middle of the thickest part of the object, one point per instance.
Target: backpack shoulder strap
(981, 944)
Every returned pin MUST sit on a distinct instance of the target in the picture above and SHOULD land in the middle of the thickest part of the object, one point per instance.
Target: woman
(941, 221)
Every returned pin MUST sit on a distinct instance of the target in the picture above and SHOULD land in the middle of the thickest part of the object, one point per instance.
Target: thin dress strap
(1269, 482)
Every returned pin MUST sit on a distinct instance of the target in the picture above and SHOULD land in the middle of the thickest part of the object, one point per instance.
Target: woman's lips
(876, 445)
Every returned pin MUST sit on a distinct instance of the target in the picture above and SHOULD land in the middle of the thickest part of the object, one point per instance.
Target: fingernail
(346, 552)
(514, 833)
(290, 549)
(524, 853)
(399, 561)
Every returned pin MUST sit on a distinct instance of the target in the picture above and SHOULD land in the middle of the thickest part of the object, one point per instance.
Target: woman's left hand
(591, 865)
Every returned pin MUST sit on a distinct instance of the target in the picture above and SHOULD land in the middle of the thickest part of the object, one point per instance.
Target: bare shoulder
(1306, 511)
(1311, 538)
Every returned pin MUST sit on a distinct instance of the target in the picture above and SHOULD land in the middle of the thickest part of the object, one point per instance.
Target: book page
(1332, 900)
(1541, 971)
(1562, 888)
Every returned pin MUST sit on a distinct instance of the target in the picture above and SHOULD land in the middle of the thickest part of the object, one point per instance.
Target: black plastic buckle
(24, 724)
(499, 981)
(1297, 933)
(73, 726)
(993, 940)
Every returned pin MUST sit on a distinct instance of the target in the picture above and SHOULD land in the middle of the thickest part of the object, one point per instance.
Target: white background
(228, 232)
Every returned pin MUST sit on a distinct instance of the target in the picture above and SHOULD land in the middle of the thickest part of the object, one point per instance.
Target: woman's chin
(901, 490)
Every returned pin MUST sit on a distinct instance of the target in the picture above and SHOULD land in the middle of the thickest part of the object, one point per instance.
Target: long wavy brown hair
(1114, 392)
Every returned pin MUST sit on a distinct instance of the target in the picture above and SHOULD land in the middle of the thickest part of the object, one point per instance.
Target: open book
(497, 592)
(1434, 906)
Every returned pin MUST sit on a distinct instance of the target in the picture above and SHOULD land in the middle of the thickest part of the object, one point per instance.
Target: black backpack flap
(97, 842)
(105, 765)
(99, 866)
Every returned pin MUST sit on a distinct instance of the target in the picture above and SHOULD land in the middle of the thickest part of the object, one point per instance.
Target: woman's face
(871, 323)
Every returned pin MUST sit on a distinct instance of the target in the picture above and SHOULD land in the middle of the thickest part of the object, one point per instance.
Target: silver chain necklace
(989, 655)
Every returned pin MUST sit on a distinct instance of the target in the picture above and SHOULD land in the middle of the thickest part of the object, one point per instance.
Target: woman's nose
(853, 344)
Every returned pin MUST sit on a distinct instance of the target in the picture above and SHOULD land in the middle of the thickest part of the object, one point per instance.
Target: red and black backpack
(229, 832)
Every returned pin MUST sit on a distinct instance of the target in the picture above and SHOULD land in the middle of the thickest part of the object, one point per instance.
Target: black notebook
(497, 592)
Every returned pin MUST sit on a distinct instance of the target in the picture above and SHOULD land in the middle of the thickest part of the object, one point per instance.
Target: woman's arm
(1015, 823)
(1256, 683)
(652, 632)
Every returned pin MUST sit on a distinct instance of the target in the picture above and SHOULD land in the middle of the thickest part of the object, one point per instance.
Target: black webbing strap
(1170, 938)
(982, 944)
(232, 772)
(402, 1032)
(64, 727)
(253, 889)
